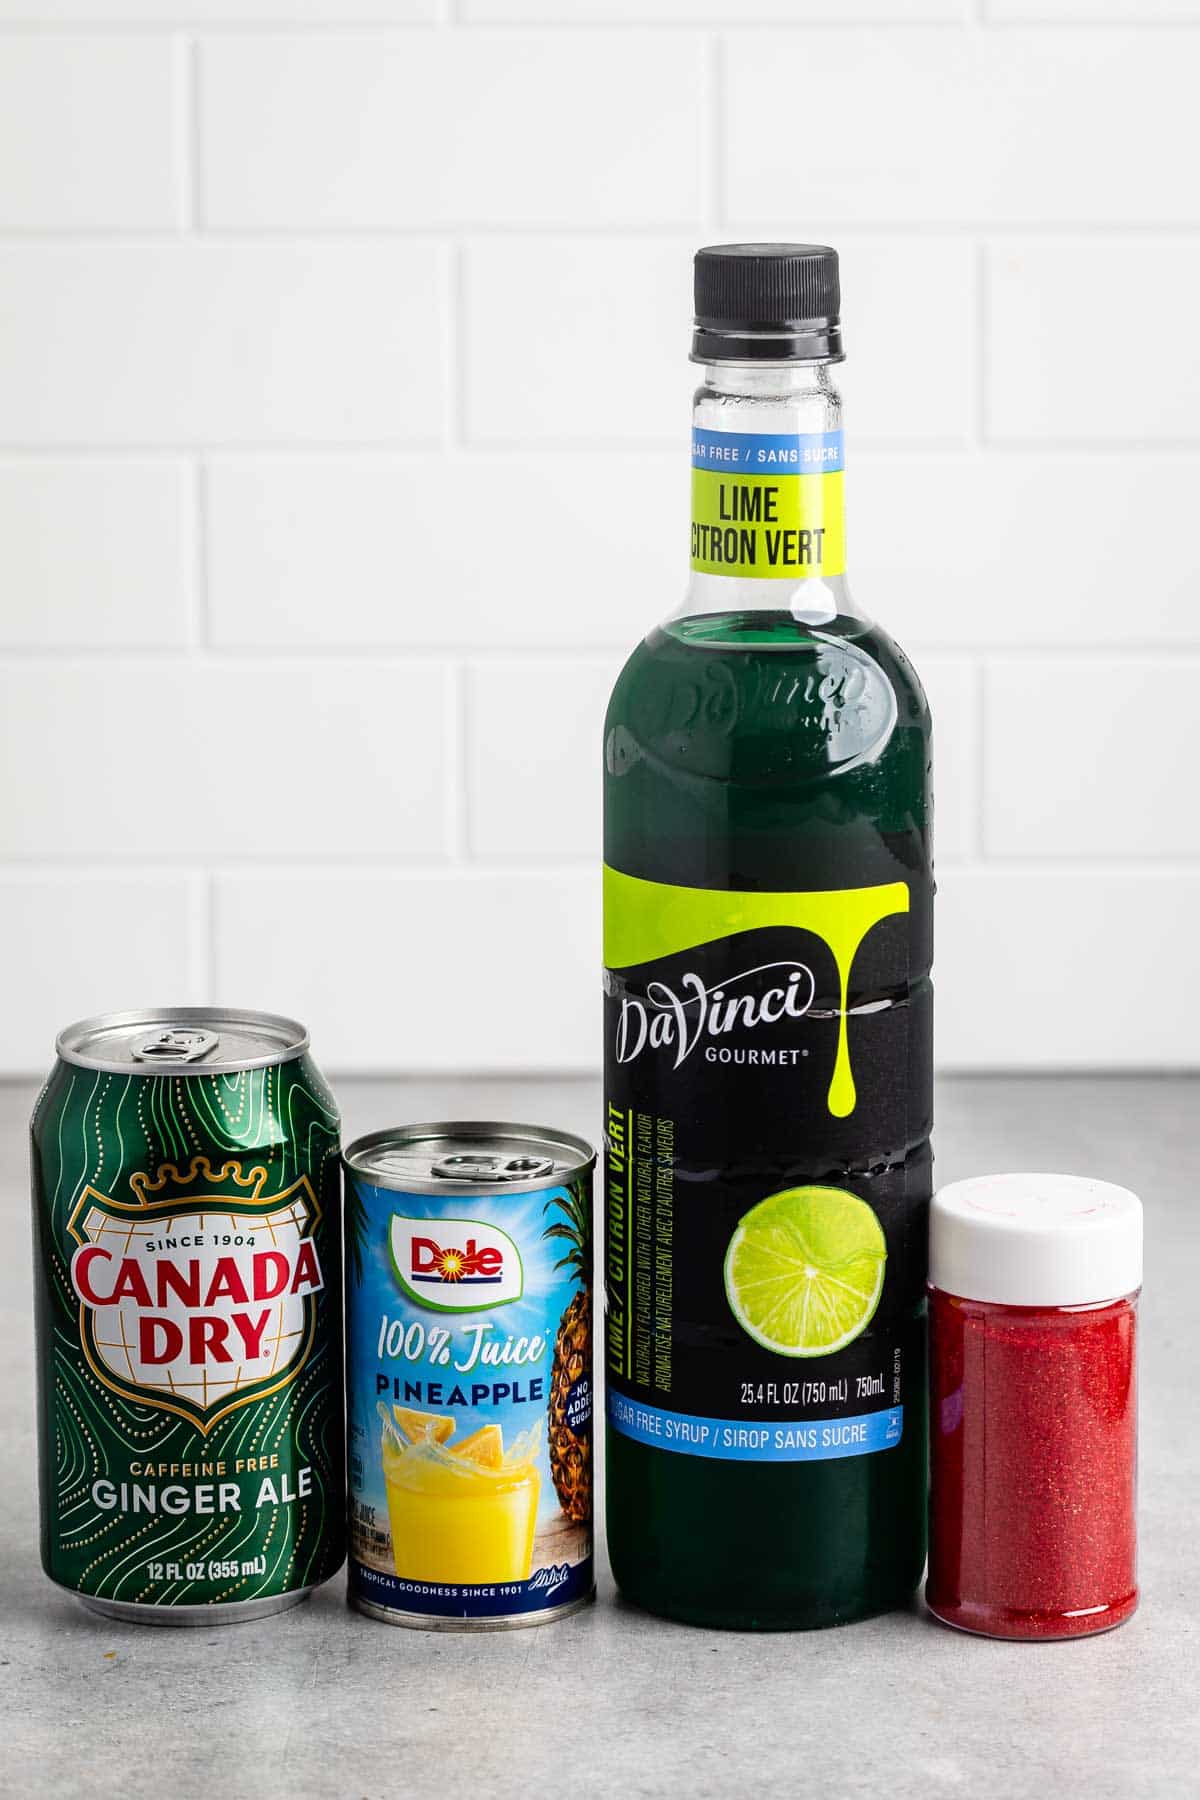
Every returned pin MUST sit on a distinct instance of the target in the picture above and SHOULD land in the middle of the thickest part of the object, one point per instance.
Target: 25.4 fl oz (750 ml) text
(793, 1393)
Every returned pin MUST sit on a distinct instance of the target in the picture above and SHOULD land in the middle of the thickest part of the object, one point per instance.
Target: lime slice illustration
(804, 1270)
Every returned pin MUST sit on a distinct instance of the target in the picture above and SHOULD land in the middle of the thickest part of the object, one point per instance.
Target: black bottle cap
(767, 303)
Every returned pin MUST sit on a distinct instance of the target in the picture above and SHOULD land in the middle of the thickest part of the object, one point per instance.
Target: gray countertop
(320, 1701)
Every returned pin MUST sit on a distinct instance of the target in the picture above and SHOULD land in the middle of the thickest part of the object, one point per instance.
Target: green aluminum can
(189, 1322)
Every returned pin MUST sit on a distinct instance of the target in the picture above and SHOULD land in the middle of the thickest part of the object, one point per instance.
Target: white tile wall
(169, 15)
(479, 970)
(197, 342)
(894, 394)
(1135, 12)
(1082, 751)
(356, 131)
(952, 686)
(713, 12)
(536, 796)
(606, 359)
(1066, 968)
(343, 409)
(184, 760)
(953, 127)
(87, 134)
(1055, 370)
(1029, 550)
(80, 941)
(94, 554)
(414, 551)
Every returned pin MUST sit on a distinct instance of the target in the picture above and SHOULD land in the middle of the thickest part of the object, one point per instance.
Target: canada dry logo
(455, 1265)
(200, 1296)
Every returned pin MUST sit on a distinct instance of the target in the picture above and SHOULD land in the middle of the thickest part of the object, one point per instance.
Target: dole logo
(455, 1265)
(200, 1296)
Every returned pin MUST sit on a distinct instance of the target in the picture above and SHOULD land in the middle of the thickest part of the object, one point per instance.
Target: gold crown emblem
(230, 1181)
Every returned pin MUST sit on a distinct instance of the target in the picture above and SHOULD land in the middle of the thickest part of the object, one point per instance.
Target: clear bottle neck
(776, 396)
(794, 399)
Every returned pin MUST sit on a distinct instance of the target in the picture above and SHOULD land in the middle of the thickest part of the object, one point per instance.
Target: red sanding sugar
(1034, 1439)
(1033, 1415)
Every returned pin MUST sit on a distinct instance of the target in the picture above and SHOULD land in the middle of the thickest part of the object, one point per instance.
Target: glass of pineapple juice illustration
(464, 1512)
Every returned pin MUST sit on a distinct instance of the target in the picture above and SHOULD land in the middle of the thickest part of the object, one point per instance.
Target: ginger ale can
(469, 1347)
(189, 1321)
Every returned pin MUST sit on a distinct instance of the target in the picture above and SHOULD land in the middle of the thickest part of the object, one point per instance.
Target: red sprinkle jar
(1033, 1289)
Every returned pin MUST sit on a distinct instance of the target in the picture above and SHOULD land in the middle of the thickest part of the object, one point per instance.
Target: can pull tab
(484, 1165)
(179, 1044)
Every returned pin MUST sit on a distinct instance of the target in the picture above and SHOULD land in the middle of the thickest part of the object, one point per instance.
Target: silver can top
(182, 1040)
(465, 1156)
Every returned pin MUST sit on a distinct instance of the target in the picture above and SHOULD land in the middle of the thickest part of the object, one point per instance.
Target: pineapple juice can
(469, 1374)
(189, 1320)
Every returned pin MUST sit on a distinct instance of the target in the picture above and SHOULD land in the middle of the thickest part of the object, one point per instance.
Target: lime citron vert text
(782, 528)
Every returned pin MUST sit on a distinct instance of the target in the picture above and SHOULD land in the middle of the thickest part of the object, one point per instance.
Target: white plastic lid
(1035, 1240)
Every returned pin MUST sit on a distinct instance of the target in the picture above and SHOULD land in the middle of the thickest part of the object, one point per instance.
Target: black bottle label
(765, 1258)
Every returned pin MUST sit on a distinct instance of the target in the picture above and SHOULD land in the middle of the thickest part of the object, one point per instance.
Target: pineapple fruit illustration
(571, 1451)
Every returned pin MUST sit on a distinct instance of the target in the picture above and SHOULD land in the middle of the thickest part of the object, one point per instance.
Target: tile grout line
(1135, 653)
(449, 12)
(196, 140)
(280, 452)
(980, 326)
(979, 849)
(194, 504)
(677, 228)
(206, 938)
(1058, 233)
(456, 438)
(713, 115)
(458, 821)
(183, 134)
(1143, 866)
(203, 571)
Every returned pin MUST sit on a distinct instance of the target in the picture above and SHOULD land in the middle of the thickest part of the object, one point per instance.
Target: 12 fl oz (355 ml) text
(227, 1570)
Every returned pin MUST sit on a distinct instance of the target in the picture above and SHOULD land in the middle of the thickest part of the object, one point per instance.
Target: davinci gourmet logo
(200, 1296)
(678, 1019)
(455, 1265)
(646, 921)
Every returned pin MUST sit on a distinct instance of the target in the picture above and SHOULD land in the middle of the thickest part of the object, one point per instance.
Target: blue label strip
(555, 1586)
(770, 452)
(756, 1440)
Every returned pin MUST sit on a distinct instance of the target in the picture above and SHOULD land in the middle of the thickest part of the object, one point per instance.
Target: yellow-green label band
(768, 506)
(645, 921)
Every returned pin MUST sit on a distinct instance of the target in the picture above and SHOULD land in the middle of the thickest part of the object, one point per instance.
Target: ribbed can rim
(279, 1040)
(368, 1156)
